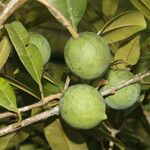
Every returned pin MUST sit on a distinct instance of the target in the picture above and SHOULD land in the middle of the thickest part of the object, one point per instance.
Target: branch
(136, 78)
(36, 118)
(58, 15)
(9, 9)
(54, 111)
(67, 83)
(2, 6)
(41, 103)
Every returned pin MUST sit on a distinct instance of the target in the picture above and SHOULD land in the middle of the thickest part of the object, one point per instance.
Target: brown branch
(2, 6)
(136, 78)
(13, 5)
(67, 83)
(41, 103)
(36, 118)
(58, 15)
(9, 10)
(54, 111)
(7, 114)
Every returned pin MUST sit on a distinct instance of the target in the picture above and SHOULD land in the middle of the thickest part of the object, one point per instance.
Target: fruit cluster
(88, 57)
(82, 106)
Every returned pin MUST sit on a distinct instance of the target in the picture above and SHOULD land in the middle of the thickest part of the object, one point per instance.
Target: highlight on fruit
(87, 56)
(82, 107)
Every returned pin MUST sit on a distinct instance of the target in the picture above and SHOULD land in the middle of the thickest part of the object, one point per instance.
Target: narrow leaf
(129, 53)
(73, 10)
(20, 85)
(58, 138)
(143, 6)
(49, 78)
(7, 96)
(123, 26)
(5, 47)
(28, 53)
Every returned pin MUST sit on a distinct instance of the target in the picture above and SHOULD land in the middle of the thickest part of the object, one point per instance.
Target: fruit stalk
(9, 9)
(58, 15)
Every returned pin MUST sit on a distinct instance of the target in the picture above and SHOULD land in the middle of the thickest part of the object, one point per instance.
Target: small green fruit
(124, 97)
(87, 56)
(82, 107)
(41, 42)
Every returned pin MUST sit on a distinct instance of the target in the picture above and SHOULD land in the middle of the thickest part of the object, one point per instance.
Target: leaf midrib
(11, 27)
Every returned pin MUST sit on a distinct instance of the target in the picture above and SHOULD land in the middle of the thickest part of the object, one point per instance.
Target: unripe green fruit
(82, 107)
(41, 42)
(124, 97)
(87, 56)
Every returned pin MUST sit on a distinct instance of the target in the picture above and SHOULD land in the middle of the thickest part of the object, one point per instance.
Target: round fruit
(41, 42)
(124, 97)
(87, 56)
(82, 107)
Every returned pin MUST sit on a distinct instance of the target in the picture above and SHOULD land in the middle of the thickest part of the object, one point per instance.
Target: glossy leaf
(11, 140)
(7, 96)
(73, 10)
(123, 26)
(5, 47)
(28, 53)
(109, 7)
(129, 53)
(58, 139)
(143, 6)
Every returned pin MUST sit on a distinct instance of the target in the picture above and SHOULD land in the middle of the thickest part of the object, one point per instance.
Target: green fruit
(82, 107)
(41, 42)
(124, 97)
(87, 56)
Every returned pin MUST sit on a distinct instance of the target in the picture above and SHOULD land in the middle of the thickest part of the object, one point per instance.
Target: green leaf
(28, 53)
(7, 96)
(143, 6)
(5, 47)
(100, 133)
(58, 138)
(109, 7)
(21, 86)
(123, 26)
(11, 140)
(73, 10)
(49, 78)
(129, 53)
